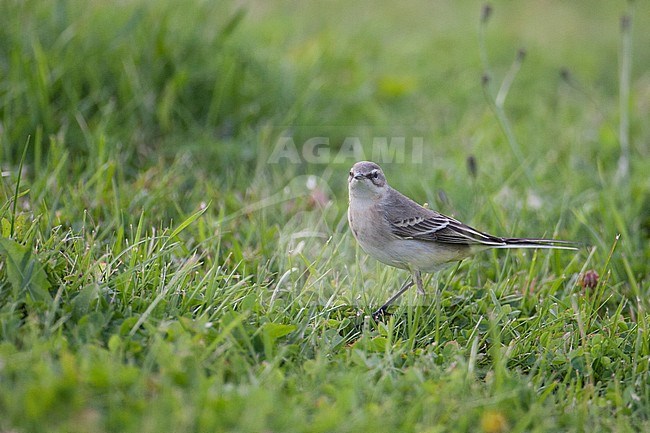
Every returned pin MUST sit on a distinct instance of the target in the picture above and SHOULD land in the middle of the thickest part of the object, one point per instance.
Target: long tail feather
(537, 243)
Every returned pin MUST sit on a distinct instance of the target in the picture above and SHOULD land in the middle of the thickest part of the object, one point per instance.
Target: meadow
(175, 253)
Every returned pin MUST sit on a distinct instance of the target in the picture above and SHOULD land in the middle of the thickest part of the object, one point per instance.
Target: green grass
(157, 273)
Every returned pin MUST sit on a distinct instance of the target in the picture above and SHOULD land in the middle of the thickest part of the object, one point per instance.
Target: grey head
(367, 179)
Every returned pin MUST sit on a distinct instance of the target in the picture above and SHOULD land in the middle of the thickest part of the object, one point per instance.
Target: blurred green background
(163, 268)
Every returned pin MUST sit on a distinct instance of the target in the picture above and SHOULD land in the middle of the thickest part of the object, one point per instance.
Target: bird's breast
(371, 229)
(367, 222)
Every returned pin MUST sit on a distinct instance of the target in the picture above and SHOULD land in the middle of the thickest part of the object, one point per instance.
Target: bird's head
(366, 179)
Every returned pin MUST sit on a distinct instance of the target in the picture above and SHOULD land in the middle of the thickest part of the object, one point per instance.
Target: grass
(159, 273)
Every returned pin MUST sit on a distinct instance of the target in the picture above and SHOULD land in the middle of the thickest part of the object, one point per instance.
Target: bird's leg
(381, 310)
(417, 277)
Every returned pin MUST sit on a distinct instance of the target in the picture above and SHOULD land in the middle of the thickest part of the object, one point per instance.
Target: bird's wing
(440, 228)
(409, 220)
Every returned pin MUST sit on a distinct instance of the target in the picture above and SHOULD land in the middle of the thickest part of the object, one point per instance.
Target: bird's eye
(351, 174)
(375, 174)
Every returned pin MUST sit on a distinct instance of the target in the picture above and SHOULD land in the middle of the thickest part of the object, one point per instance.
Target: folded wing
(428, 225)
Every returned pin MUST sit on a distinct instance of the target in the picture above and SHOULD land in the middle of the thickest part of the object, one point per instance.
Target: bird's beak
(359, 176)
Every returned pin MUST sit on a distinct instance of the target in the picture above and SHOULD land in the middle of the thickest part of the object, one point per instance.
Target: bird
(399, 232)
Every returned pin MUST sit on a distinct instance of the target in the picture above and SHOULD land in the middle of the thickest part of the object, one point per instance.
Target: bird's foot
(380, 314)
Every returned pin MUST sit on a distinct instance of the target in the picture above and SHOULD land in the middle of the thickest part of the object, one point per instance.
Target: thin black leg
(381, 310)
(417, 277)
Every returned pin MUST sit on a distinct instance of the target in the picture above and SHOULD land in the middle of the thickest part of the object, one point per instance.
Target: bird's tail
(537, 243)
